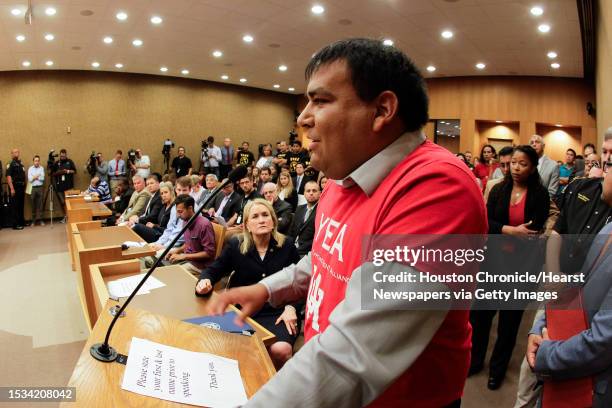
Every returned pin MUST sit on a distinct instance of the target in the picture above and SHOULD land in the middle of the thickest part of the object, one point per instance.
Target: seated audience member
(469, 159)
(300, 179)
(303, 224)
(249, 194)
(590, 161)
(138, 201)
(265, 161)
(274, 172)
(285, 189)
(211, 182)
(584, 353)
(151, 211)
(505, 155)
(226, 204)
(485, 169)
(517, 207)
(259, 252)
(99, 188)
(255, 173)
(198, 249)
(322, 182)
(123, 194)
(152, 230)
(282, 209)
(265, 176)
(196, 187)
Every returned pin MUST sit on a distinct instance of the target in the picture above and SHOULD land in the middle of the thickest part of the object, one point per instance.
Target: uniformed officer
(16, 178)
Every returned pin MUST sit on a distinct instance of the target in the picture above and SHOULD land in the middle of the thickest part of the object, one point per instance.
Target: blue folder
(224, 323)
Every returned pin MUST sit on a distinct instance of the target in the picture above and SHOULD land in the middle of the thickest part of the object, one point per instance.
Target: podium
(98, 384)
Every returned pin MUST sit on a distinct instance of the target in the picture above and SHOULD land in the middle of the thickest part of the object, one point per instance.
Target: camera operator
(211, 156)
(181, 164)
(63, 174)
(16, 179)
(141, 165)
(116, 171)
(101, 168)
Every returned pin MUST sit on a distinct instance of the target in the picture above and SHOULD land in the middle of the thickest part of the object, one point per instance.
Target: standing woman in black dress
(258, 252)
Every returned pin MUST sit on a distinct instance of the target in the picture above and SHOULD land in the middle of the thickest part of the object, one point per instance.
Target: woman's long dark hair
(534, 180)
(482, 159)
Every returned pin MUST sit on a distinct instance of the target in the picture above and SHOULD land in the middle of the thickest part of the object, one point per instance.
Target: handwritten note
(178, 375)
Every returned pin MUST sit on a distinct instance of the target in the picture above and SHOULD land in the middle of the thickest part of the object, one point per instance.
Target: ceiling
(503, 34)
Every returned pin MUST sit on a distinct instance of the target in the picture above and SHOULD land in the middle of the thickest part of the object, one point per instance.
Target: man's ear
(387, 106)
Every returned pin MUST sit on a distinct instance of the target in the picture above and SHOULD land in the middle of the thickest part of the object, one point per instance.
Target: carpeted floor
(42, 330)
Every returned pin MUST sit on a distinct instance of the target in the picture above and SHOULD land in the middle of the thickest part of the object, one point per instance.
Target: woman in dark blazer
(258, 252)
(517, 207)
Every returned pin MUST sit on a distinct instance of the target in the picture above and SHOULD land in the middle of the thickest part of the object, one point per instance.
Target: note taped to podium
(184, 376)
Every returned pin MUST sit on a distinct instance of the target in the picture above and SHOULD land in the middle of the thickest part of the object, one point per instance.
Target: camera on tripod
(132, 156)
(168, 145)
(92, 164)
(51, 160)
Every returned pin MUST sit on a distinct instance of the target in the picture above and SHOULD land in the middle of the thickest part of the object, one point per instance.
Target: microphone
(103, 351)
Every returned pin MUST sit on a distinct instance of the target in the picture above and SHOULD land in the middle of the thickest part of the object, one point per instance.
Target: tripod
(49, 193)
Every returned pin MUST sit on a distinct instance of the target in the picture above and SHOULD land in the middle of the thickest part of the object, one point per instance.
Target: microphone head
(238, 173)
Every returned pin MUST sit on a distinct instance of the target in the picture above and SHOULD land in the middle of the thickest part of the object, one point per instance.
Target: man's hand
(175, 257)
(156, 247)
(204, 286)
(133, 219)
(251, 298)
(12, 192)
(149, 224)
(533, 343)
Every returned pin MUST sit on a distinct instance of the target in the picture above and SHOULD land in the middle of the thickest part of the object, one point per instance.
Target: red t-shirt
(516, 212)
(428, 192)
(484, 171)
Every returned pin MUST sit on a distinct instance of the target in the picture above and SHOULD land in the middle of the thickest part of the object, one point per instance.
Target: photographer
(63, 175)
(101, 168)
(16, 179)
(211, 156)
(141, 165)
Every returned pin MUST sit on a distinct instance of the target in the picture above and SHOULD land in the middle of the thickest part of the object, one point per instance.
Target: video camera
(92, 164)
(168, 144)
(132, 156)
(51, 160)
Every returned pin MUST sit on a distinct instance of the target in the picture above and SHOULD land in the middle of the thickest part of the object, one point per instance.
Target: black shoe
(494, 383)
(474, 370)
(18, 227)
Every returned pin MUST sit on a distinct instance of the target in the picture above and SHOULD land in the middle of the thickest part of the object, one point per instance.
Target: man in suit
(303, 225)
(153, 207)
(138, 201)
(300, 179)
(548, 168)
(226, 204)
(281, 207)
(587, 353)
(210, 183)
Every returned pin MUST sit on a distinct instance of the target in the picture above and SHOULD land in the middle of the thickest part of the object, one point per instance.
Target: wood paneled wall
(529, 101)
(108, 111)
(603, 70)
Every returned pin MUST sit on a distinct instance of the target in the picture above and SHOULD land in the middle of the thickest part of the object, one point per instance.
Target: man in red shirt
(391, 181)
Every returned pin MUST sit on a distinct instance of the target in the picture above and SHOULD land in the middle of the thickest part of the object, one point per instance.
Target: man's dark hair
(246, 143)
(265, 169)
(296, 142)
(186, 200)
(506, 151)
(591, 145)
(210, 139)
(157, 176)
(376, 68)
(118, 151)
(63, 151)
(35, 157)
(482, 159)
(571, 150)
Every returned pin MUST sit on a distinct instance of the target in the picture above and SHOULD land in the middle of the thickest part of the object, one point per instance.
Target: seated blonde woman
(286, 191)
(258, 252)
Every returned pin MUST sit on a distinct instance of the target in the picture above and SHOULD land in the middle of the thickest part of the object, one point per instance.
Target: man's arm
(139, 205)
(553, 185)
(350, 364)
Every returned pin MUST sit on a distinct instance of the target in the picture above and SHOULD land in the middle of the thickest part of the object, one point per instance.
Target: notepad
(224, 323)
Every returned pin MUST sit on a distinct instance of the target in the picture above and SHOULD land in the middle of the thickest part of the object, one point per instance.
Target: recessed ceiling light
(243, 80)
(49, 37)
(108, 40)
(282, 68)
(499, 121)
(317, 9)
(276, 86)
(49, 63)
(20, 38)
(50, 11)
(447, 34)
(224, 77)
(185, 72)
(26, 63)
(95, 64)
(118, 65)
(291, 89)
(217, 54)
(122, 16)
(558, 125)
(388, 42)
(247, 38)
(552, 55)
(156, 20)
(137, 42)
(555, 65)
(537, 11)
(543, 28)
(164, 69)
(16, 11)
(480, 65)
(431, 68)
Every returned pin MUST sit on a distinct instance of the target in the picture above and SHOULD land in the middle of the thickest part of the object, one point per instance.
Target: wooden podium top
(98, 384)
(113, 236)
(97, 209)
